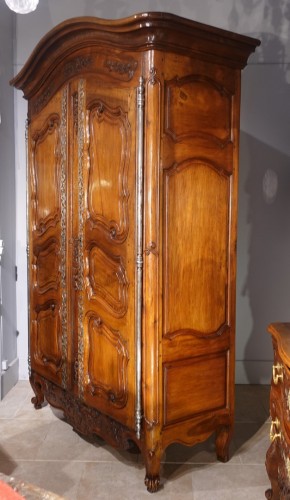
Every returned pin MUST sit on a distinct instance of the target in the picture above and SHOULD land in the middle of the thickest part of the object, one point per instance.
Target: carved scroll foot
(36, 385)
(222, 443)
(152, 483)
(152, 461)
(274, 467)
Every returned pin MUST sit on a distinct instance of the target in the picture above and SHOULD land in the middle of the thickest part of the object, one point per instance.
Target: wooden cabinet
(278, 454)
(133, 130)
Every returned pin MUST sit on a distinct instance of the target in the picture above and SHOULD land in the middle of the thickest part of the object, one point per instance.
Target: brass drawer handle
(287, 465)
(275, 430)
(277, 373)
(288, 401)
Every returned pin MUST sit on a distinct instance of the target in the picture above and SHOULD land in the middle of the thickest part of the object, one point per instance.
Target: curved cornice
(141, 32)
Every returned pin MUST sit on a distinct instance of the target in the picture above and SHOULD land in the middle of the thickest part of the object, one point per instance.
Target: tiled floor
(39, 447)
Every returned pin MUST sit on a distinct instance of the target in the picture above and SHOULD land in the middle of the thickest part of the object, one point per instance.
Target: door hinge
(16, 273)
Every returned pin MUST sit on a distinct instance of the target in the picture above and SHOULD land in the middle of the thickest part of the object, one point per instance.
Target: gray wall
(263, 288)
(7, 205)
(263, 293)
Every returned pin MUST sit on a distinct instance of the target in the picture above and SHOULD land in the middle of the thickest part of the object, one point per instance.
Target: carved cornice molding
(141, 32)
(122, 68)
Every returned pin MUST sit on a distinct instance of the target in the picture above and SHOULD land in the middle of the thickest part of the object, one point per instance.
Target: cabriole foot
(223, 438)
(38, 399)
(152, 483)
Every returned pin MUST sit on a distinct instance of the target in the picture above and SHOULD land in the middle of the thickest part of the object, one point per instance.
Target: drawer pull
(288, 401)
(275, 430)
(277, 373)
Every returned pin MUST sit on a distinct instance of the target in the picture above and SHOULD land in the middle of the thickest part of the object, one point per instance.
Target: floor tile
(78, 448)
(26, 411)
(226, 481)
(117, 481)
(251, 442)
(13, 401)
(39, 446)
(61, 478)
(252, 403)
(22, 441)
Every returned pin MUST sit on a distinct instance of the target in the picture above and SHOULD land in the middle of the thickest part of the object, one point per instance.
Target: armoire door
(47, 273)
(82, 244)
(104, 172)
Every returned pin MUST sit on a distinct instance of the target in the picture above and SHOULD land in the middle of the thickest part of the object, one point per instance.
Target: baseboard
(253, 372)
(9, 377)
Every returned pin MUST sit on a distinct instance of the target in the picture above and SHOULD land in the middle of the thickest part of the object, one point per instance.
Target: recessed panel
(109, 156)
(107, 363)
(197, 106)
(46, 337)
(47, 267)
(46, 174)
(194, 386)
(196, 229)
(107, 281)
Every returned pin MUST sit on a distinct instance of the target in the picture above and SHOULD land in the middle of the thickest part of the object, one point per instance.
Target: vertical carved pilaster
(27, 240)
(81, 132)
(63, 223)
(75, 99)
(153, 76)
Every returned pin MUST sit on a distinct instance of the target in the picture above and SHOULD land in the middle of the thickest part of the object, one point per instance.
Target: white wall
(8, 340)
(263, 289)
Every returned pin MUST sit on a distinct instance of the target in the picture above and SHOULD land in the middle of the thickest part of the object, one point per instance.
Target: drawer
(280, 453)
(280, 389)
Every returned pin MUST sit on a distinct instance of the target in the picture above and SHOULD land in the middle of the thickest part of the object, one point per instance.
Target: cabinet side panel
(196, 237)
(199, 177)
(197, 106)
(190, 389)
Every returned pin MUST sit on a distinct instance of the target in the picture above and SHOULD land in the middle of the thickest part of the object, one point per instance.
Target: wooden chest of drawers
(278, 454)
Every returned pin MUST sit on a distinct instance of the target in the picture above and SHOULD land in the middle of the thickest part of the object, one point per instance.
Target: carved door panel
(106, 350)
(47, 192)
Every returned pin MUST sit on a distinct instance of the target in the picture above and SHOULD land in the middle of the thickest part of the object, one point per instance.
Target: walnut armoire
(133, 145)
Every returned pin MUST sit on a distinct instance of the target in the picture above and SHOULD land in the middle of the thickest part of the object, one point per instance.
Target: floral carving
(85, 420)
(76, 65)
(43, 99)
(122, 68)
